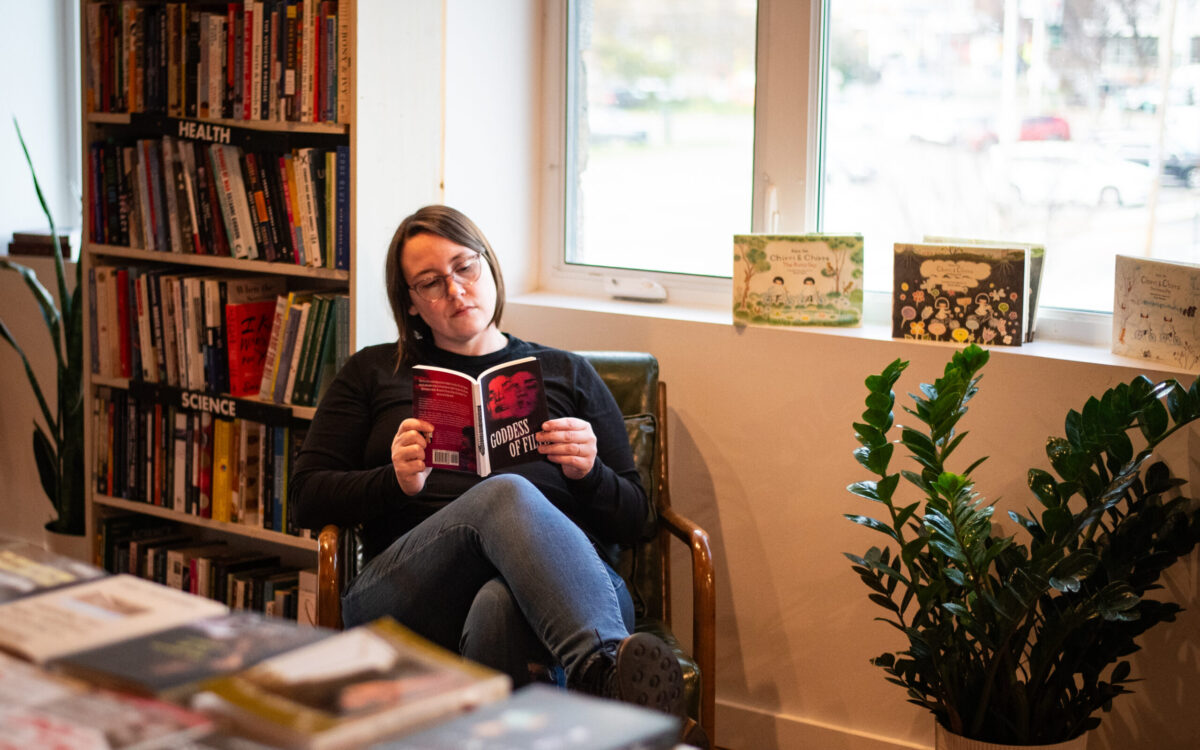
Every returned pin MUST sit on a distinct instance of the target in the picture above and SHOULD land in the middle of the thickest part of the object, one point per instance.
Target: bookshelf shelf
(270, 126)
(242, 530)
(216, 261)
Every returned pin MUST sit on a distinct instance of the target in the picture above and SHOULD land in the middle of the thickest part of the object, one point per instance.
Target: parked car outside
(1178, 163)
(1066, 172)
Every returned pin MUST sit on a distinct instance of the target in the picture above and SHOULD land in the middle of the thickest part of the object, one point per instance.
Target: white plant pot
(944, 739)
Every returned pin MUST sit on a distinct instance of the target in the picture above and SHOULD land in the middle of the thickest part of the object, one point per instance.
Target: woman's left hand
(570, 443)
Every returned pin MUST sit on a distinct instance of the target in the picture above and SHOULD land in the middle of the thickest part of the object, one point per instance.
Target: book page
(446, 400)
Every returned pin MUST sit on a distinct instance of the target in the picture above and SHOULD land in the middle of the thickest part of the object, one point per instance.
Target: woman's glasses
(433, 287)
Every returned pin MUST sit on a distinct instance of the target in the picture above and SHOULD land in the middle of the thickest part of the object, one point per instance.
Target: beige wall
(761, 448)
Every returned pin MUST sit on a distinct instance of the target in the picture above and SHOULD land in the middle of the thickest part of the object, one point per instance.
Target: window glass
(1046, 121)
(660, 135)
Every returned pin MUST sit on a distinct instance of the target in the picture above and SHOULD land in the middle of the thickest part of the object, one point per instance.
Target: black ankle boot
(640, 669)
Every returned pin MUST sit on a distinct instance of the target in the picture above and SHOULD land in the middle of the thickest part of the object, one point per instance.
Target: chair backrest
(632, 377)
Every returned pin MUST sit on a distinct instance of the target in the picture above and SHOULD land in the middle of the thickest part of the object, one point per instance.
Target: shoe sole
(648, 674)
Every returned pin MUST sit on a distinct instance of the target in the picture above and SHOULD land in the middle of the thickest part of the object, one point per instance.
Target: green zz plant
(58, 447)
(1022, 641)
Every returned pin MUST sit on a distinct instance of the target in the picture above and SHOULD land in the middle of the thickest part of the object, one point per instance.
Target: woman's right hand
(408, 454)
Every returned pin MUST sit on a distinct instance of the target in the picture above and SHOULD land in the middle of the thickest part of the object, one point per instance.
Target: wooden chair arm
(329, 577)
(704, 613)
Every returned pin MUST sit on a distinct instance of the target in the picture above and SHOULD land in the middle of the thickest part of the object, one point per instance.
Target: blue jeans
(501, 576)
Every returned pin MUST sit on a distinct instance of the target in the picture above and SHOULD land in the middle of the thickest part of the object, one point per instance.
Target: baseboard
(748, 728)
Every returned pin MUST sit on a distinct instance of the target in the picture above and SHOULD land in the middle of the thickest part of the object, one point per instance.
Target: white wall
(33, 88)
(35, 76)
(761, 442)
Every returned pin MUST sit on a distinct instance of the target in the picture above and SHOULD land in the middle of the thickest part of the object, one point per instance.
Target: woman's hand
(570, 443)
(408, 454)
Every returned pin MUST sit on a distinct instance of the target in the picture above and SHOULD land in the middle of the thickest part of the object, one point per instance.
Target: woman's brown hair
(440, 221)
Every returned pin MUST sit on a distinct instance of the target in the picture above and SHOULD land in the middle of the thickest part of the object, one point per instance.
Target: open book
(93, 613)
(370, 682)
(485, 424)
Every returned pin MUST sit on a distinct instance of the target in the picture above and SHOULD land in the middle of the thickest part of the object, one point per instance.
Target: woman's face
(461, 320)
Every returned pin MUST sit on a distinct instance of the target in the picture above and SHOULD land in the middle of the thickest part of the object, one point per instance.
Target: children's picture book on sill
(484, 424)
(1154, 311)
(798, 279)
(961, 294)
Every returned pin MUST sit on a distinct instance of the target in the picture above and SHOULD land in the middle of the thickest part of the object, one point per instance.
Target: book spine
(306, 200)
(291, 203)
(344, 60)
(302, 333)
(270, 361)
(342, 211)
(124, 356)
(283, 372)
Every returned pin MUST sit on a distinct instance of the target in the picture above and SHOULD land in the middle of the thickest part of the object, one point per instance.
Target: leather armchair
(633, 379)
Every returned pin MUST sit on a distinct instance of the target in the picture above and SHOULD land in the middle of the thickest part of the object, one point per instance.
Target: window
(660, 145)
(1074, 125)
(1033, 121)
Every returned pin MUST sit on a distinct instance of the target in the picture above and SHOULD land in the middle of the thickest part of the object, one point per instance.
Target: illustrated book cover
(92, 613)
(171, 663)
(539, 716)
(798, 280)
(1037, 269)
(960, 293)
(1154, 311)
(39, 709)
(27, 569)
(367, 683)
(485, 424)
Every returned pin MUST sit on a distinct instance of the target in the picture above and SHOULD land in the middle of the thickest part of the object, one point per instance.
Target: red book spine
(248, 331)
(247, 60)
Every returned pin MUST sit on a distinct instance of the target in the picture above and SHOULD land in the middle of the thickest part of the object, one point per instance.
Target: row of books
(173, 194)
(217, 333)
(944, 289)
(274, 60)
(152, 450)
(95, 658)
(959, 291)
(168, 553)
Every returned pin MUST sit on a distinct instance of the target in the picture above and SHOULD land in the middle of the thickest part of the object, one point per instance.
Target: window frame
(792, 38)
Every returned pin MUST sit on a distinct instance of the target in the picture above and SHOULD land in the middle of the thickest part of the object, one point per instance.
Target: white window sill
(1060, 334)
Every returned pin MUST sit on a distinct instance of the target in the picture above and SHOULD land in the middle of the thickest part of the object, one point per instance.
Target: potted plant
(1022, 639)
(58, 446)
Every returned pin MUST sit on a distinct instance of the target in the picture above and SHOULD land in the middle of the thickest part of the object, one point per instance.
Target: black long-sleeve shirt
(344, 475)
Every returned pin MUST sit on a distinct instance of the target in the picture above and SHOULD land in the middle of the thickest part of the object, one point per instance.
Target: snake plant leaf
(47, 462)
(45, 302)
(31, 376)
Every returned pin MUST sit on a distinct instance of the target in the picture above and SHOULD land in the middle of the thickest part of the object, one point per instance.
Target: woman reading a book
(509, 570)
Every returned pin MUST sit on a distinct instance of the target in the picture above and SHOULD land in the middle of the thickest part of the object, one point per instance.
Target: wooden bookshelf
(161, 110)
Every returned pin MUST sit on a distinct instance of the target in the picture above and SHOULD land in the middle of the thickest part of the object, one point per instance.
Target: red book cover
(123, 328)
(249, 334)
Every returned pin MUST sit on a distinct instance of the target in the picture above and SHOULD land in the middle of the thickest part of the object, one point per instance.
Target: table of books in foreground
(115, 661)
